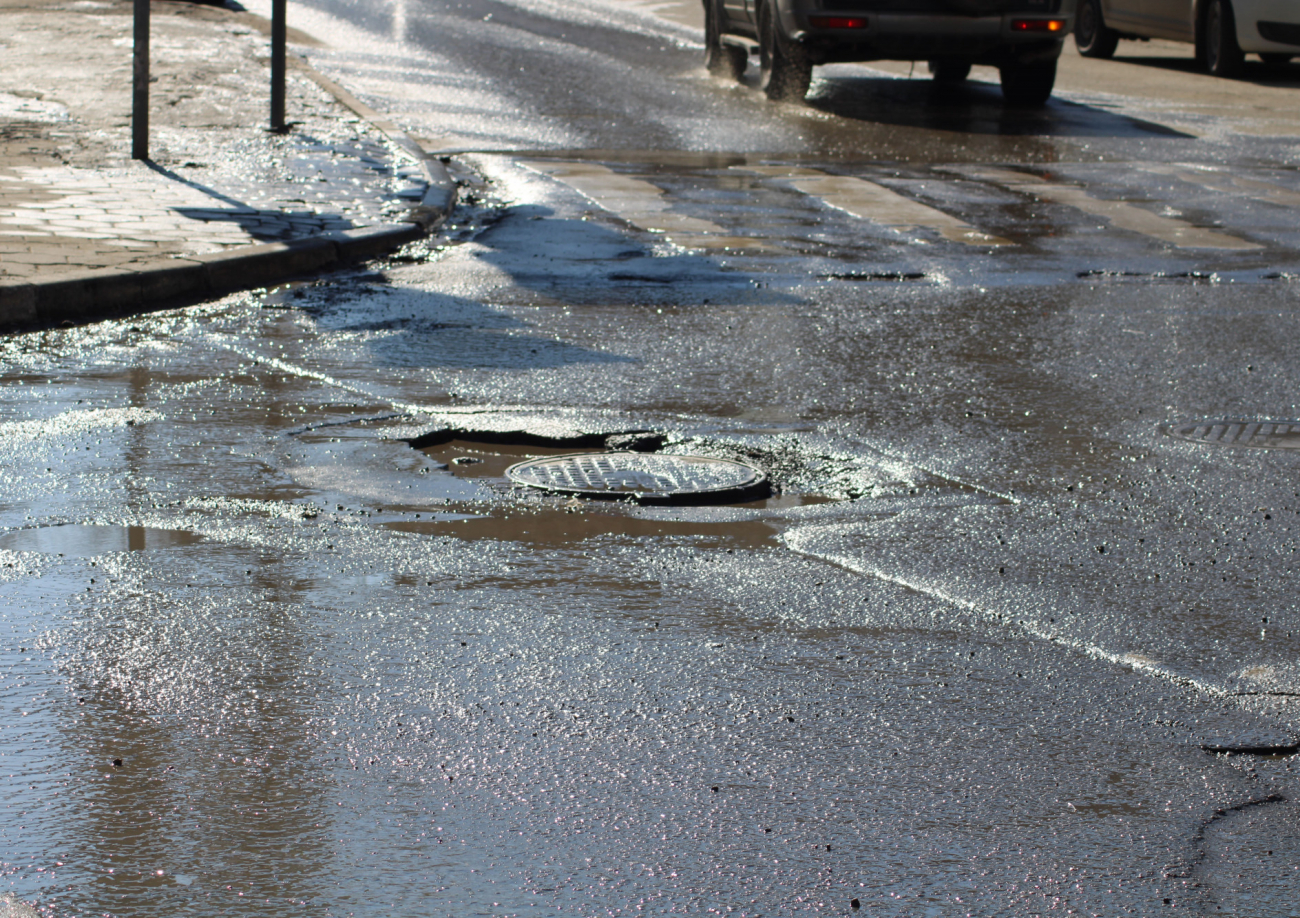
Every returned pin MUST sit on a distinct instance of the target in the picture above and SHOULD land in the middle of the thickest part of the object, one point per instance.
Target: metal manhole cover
(1253, 434)
(645, 478)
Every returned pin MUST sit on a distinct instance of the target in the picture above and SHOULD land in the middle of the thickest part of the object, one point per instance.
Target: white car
(1224, 31)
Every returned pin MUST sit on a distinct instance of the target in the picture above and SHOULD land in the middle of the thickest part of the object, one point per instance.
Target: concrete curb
(441, 196)
(87, 295)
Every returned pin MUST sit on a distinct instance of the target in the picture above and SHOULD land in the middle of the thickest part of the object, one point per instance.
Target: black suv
(1022, 38)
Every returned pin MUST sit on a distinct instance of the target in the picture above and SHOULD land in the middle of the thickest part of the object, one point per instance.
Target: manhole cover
(646, 478)
(1254, 434)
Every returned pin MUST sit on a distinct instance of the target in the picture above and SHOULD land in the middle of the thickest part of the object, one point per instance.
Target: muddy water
(299, 631)
(90, 540)
(351, 677)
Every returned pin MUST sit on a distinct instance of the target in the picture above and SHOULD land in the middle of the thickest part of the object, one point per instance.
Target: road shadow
(971, 107)
(450, 321)
(585, 261)
(262, 225)
(410, 328)
(1252, 71)
(270, 225)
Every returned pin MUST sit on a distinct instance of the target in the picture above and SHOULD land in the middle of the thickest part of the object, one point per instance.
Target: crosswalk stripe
(642, 204)
(1218, 180)
(1120, 214)
(869, 201)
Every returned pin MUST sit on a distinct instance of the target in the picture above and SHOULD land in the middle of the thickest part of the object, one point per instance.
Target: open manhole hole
(646, 478)
(1253, 434)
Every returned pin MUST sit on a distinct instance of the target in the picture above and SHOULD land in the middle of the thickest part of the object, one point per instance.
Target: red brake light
(1038, 25)
(837, 22)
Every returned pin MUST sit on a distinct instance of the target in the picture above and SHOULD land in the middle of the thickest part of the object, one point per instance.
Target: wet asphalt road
(261, 656)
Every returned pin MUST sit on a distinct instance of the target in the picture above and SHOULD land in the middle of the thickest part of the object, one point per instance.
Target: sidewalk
(76, 211)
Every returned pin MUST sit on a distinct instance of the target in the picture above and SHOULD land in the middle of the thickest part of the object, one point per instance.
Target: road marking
(642, 204)
(869, 201)
(1218, 180)
(1121, 214)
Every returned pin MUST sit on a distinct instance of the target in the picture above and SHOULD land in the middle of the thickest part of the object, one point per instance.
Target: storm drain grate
(645, 478)
(878, 276)
(1253, 434)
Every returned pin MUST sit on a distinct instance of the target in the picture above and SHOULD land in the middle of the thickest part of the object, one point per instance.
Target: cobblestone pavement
(70, 196)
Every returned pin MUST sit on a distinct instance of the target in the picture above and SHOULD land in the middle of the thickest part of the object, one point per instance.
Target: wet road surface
(279, 638)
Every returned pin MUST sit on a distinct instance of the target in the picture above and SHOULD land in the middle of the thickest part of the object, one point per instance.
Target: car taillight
(837, 22)
(1038, 25)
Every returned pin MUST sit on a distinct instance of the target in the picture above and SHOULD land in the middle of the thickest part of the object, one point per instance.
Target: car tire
(950, 71)
(1028, 85)
(726, 61)
(1220, 53)
(1092, 36)
(785, 72)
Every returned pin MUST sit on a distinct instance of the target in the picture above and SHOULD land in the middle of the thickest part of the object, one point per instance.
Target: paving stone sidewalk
(72, 199)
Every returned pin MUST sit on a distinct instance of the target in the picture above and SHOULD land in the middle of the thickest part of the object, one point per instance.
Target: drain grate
(877, 276)
(645, 478)
(1253, 434)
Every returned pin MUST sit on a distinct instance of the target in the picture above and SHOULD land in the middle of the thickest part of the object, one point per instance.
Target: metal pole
(140, 84)
(278, 30)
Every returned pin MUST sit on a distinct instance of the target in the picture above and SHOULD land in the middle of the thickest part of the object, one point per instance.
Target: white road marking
(642, 204)
(803, 540)
(1120, 214)
(1217, 179)
(869, 201)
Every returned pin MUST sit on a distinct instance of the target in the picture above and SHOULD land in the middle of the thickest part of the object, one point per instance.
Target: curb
(441, 196)
(87, 295)
(84, 296)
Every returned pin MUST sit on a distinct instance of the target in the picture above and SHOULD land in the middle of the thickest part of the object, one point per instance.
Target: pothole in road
(795, 463)
(537, 519)
(1262, 748)
(1250, 434)
(79, 540)
(627, 466)
(512, 428)
(647, 478)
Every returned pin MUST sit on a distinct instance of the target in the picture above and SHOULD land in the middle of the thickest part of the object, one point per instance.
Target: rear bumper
(903, 36)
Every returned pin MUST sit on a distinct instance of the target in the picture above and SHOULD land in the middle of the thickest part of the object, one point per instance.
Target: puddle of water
(569, 522)
(86, 541)
(478, 461)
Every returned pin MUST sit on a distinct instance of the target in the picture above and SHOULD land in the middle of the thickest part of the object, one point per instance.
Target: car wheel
(785, 70)
(950, 71)
(1221, 54)
(1091, 35)
(727, 61)
(1028, 85)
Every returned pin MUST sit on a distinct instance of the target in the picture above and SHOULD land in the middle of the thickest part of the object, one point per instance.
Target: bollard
(278, 64)
(140, 83)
